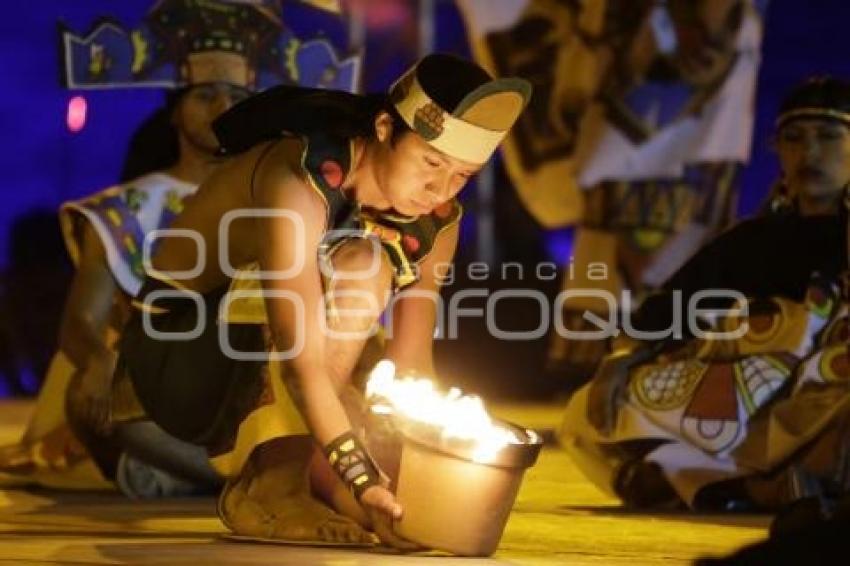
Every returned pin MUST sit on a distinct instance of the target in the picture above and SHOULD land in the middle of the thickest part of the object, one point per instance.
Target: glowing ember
(456, 415)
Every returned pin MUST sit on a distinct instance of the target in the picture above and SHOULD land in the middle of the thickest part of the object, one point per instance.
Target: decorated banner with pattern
(159, 51)
(625, 90)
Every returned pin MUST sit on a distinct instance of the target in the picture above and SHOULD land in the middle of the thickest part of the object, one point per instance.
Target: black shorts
(190, 388)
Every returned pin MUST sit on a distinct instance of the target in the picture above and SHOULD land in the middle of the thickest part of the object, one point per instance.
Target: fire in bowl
(455, 471)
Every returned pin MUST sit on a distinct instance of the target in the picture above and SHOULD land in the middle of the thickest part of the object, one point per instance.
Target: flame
(457, 415)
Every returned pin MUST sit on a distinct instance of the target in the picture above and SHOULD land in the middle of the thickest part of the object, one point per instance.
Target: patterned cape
(124, 216)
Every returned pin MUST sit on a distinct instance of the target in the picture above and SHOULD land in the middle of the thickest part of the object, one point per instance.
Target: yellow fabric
(59, 460)
(720, 413)
(785, 330)
(329, 5)
(69, 214)
(277, 419)
(550, 191)
(593, 248)
(49, 412)
(249, 308)
(280, 418)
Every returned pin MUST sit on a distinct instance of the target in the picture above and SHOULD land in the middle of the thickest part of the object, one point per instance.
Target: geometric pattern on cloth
(829, 365)
(649, 211)
(122, 216)
(709, 403)
(665, 387)
(760, 377)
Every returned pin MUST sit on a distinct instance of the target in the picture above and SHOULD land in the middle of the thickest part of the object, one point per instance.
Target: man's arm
(83, 333)
(415, 310)
(294, 317)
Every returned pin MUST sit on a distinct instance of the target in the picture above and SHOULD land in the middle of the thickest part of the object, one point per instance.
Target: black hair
(300, 110)
(400, 127)
(155, 145)
(446, 78)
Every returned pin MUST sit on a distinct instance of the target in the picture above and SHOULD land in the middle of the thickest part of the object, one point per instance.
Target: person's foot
(296, 518)
(271, 500)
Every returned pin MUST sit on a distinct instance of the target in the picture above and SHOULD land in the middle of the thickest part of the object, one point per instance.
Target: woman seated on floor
(756, 421)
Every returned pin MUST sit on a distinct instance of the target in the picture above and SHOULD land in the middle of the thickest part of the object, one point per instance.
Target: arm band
(350, 460)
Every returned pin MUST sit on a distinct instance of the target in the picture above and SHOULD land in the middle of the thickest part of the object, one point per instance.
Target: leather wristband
(352, 463)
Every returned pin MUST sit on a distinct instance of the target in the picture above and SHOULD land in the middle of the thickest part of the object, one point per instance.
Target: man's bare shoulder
(280, 180)
(283, 156)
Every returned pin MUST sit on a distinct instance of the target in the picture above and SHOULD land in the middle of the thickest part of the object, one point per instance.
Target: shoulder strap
(327, 162)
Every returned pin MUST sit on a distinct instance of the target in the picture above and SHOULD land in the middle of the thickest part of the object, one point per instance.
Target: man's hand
(382, 508)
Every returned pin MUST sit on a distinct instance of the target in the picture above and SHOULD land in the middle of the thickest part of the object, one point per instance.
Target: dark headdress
(453, 104)
(819, 97)
(185, 42)
(457, 107)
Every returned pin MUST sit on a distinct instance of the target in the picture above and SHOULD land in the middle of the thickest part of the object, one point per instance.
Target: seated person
(336, 201)
(68, 442)
(760, 419)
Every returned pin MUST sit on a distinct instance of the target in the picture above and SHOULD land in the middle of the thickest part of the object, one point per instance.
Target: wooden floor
(559, 518)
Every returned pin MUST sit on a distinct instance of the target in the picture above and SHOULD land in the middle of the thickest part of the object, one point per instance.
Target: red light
(382, 14)
(77, 109)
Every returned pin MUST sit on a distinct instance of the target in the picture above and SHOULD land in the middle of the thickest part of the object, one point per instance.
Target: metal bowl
(451, 502)
(522, 455)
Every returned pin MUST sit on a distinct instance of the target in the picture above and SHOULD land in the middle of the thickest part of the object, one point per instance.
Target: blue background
(43, 164)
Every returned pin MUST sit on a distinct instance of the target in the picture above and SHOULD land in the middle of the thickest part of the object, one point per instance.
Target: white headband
(451, 135)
